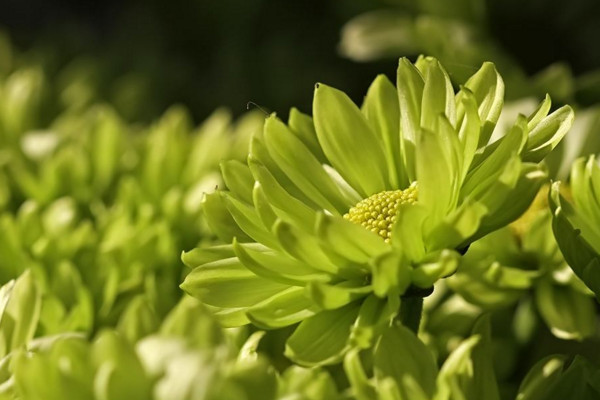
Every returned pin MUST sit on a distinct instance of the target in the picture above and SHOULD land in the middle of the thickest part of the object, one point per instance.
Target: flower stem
(411, 309)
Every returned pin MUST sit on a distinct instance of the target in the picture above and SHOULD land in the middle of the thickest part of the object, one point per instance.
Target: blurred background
(143, 56)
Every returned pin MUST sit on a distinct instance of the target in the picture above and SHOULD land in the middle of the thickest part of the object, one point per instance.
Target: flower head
(325, 222)
(576, 225)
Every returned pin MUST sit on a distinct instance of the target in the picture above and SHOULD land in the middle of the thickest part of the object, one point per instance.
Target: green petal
(438, 93)
(382, 110)
(375, 315)
(219, 218)
(276, 266)
(391, 274)
(470, 128)
(348, 239)
(260, 155)
(302, 167)
(262, 206)
(238, 179)
(348, 141)
(516, 197)
(285, 205)
(400, 353)
(228, 284)
(283, 309)
(302, 126)
(580, 256)
(407, 232)
(323, 338)
(410, 86)
(569, 314)
(426, 274)
(540, 113)
(361, 385)
(488, 88)
(304, 247)
(546, 135)
(491, 163)
(248, 220)
(457, 227)
(434, 174)
(330, 297)
(229, 317)
(203, 255)
(468, 372)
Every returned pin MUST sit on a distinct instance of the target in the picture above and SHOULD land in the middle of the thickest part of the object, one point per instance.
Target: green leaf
(120, 374)
(323, 338)
(21, 314)
(348, 141)
(400, 353)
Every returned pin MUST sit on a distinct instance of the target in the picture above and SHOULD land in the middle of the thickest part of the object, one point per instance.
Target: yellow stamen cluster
(377, 213)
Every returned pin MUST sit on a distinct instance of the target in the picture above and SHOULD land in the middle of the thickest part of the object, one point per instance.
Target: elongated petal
(546, 135)
(488, 88)
(349, 240)
(303, 127)
(407, 232)
(248, 220)
(434, 174)
(219, 218)
(438, 93)
(285, 205)
(410, 94)
(348, 141)
(238, 179)
(228, 284)
(283, 309)
(302, 167)
(382, 110)
(276, 266)
(330, 297)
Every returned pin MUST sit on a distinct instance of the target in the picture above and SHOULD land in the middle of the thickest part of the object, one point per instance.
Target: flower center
(377, 213)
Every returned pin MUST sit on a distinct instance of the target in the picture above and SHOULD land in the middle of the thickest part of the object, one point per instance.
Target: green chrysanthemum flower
(325, 222)
(577, 226)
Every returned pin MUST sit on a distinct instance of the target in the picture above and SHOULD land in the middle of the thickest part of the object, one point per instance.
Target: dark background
(228, 52)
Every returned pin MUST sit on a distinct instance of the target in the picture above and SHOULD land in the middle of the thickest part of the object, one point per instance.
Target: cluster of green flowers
(312, 257)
